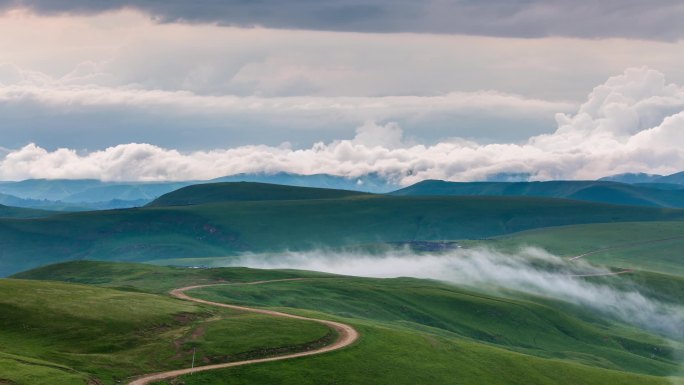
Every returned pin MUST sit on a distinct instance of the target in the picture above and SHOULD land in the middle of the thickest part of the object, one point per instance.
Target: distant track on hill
(619, 272)
(347, 335)
(623, 246)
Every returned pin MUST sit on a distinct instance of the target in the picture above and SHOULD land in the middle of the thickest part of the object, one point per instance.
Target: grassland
(653, 246)
(232, 227)
(417, 331)
(413, 331)
(150, 278)
(519, 325)
(405, 357)
(59, 333)
(591, 191)
(18, 212)
(246, 191)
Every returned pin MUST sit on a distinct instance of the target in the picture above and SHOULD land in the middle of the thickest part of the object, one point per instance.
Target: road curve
(347, 335)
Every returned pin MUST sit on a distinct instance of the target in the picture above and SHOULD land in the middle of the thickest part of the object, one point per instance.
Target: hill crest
(246, 191)
(590, 191)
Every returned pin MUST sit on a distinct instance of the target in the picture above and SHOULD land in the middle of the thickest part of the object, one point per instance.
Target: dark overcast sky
(658, 20)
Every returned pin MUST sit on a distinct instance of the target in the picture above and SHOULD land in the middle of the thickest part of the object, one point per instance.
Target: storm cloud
(659, 19)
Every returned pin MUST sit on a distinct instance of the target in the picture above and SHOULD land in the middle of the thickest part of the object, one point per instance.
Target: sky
(438, 89)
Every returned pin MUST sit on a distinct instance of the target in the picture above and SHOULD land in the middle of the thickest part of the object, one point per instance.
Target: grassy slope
(592, 191)
(397, 351)
(149, 278)
(227, 228)
(404, 357)
(20, 212)
(655, 246)
(245, 191)
(416, 331)
(520, 325)
(58, 333)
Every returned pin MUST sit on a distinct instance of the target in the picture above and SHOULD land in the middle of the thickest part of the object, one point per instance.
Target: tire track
(347, 335)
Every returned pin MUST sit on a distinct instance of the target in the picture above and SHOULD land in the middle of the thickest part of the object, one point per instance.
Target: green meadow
(61, 333)
(412, 331)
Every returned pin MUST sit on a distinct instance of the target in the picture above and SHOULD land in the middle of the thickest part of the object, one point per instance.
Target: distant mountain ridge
(372, 182)
(640, 178)
(92, 194)
(592, 191)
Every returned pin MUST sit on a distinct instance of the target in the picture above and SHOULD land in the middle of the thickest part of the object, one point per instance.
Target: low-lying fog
(530, 270)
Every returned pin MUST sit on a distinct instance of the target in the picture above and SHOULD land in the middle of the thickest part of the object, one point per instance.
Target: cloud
(88, 107)
(633, 122)
(657, 19)
(531, 270)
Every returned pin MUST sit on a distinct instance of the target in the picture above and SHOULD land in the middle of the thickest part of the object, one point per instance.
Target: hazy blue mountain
(633, 178)
(124, 192)
(593, 191)
(50, 189)
(11, 200)
(641, 178)
(661, 186)
(509, 177)
(677, 178)
(91, 190)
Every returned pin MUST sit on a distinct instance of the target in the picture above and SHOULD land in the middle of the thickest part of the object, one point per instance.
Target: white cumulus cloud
(632, 122)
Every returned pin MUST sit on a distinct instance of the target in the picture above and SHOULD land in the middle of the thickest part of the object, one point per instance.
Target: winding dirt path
(347, 335)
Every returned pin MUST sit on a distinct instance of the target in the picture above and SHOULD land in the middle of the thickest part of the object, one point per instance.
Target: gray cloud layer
(658, 19)
(632, 122)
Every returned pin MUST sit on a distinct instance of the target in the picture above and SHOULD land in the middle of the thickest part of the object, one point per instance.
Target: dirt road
(624, 245)
(347, 335)
(623, 271)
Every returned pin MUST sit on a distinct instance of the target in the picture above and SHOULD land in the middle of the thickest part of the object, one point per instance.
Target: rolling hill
(654, 246)
(425, 331)
(246, 191)
(592, 191)
(373, 183)
(95, 194)
(18, 212)
(56, 333)
(231, 227)
(636, 178)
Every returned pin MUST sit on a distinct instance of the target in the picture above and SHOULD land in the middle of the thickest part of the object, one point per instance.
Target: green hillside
(415, 331)
(19, 212)
(146, 278)
(245, 191)
(655, 246)
(64, 334)
(592, 191)
(231, 227)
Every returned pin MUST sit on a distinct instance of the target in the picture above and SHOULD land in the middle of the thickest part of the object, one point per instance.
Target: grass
(150, 278)
(245, 191)
(65, 333)
(653, 246)
(592, 191)
(519, 325)
(413, 330)
(230, 228)
(22, 213)
(405, 357)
